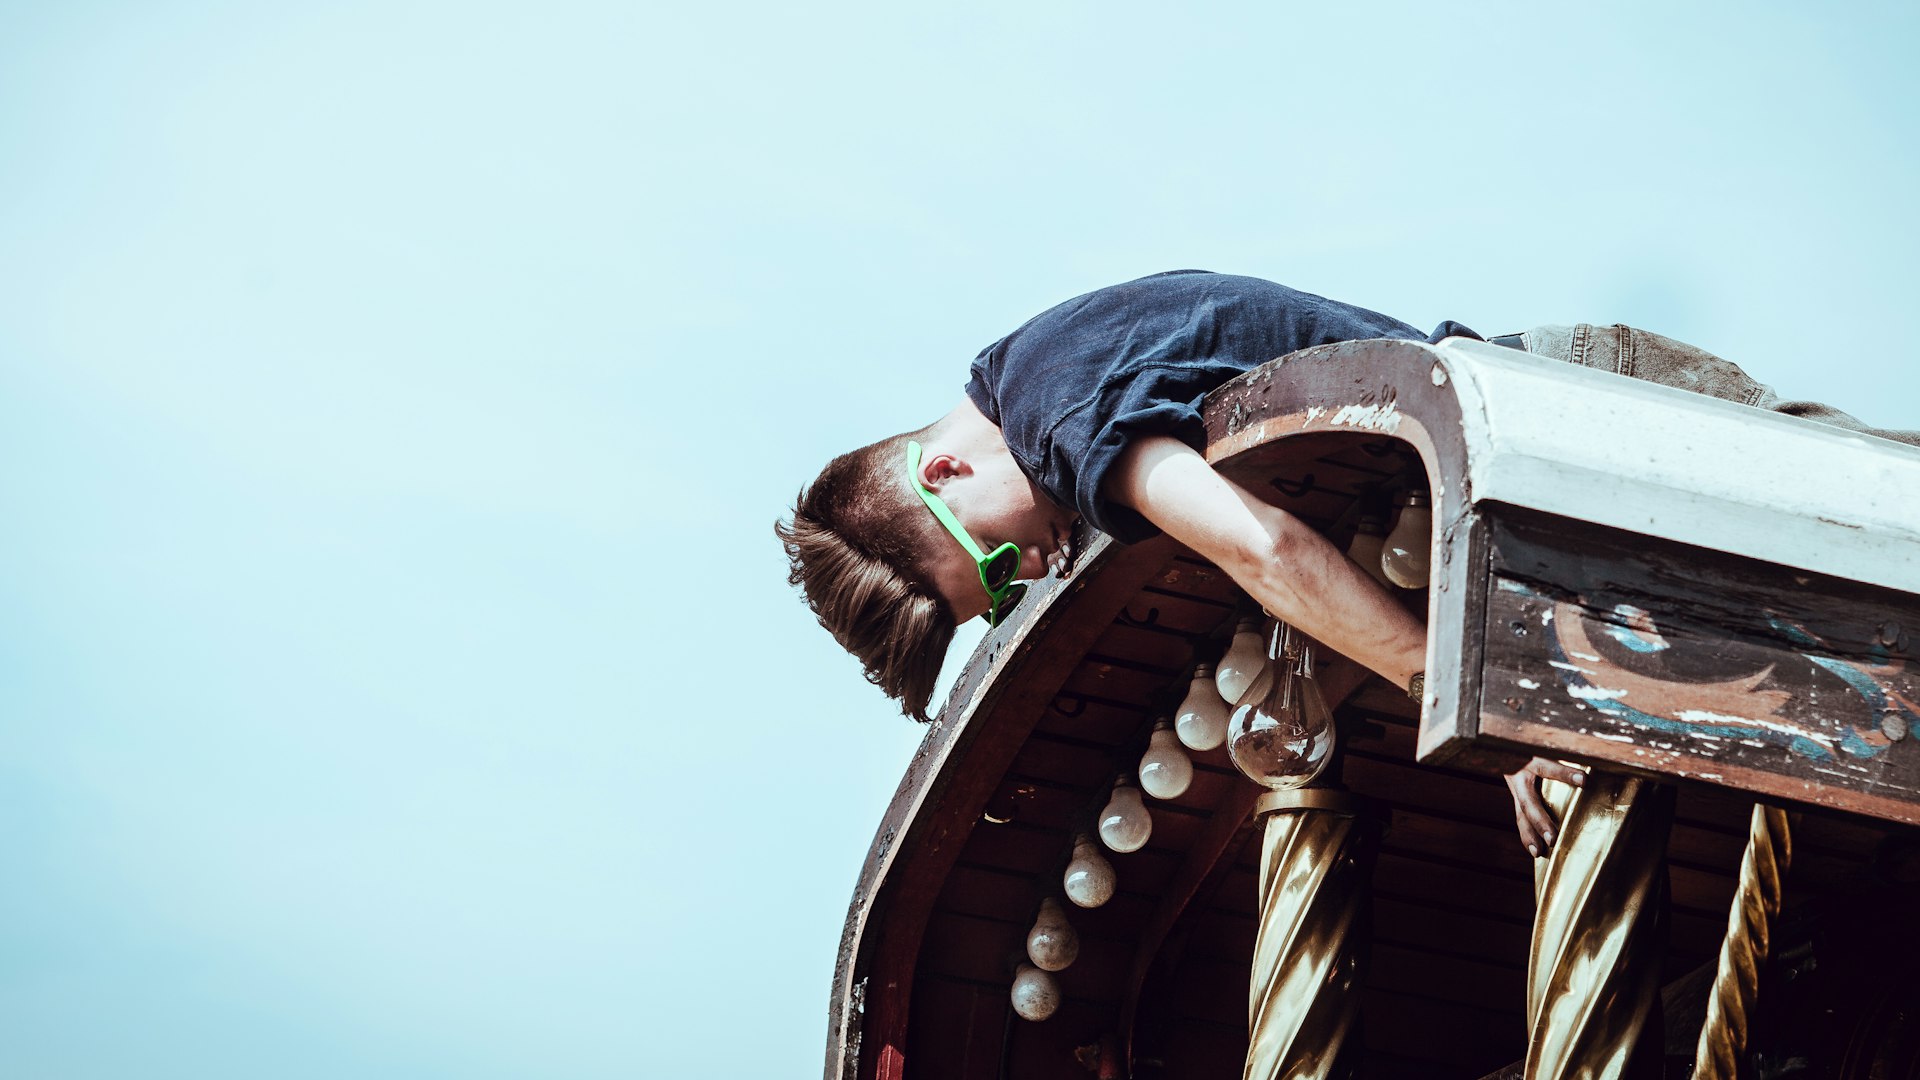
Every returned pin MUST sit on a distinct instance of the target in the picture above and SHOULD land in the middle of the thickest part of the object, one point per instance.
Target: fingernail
(1579, 779)
(1547, 836)
(1533, 851)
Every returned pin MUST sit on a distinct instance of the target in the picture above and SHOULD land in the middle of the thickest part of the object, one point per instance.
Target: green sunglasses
(997, 570)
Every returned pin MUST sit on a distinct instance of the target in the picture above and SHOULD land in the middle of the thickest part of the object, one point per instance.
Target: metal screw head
(1889, 633)
(1893, 726)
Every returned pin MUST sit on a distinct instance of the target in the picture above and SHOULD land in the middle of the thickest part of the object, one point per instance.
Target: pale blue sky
(400, 680)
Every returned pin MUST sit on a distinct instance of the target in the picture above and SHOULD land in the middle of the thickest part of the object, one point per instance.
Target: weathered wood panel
(1637, 651)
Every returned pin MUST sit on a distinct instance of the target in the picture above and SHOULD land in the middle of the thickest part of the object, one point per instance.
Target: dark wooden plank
(1146, 644)
(1199, 579)
(958, 1030)
(1091, 719)
(1122, 686)
(1652, 655)
(993, 894)
(1017, 847)
(1074, 763)
(1167, 609)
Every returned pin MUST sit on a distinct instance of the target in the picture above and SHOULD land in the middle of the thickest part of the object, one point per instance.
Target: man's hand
(1530, 813)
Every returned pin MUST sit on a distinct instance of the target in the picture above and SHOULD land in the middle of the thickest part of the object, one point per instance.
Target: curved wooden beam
(993, 707)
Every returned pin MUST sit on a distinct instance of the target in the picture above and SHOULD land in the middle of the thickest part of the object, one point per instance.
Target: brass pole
(1599, 928)
(1308, 961)
(1723, 1038)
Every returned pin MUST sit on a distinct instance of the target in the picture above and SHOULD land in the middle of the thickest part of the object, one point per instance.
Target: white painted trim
(1599, 447)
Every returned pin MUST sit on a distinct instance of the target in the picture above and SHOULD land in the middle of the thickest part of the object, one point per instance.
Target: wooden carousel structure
(1716, 610)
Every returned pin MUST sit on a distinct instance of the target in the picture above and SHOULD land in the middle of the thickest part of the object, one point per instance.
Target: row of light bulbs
(1088, 881)
(1124, 825)
(1393, 557)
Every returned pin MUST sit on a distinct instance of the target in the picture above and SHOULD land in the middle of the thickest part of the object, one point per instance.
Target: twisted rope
(1723, 1038)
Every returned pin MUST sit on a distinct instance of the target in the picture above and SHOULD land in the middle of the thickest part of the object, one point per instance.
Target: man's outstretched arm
(1293, 571)
(1298, 576)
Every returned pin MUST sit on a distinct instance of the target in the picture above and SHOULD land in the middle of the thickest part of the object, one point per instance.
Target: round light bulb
(1053, 943)
(1243, 661)
(1201, 721)
(1368, 542)
(1405, 556)
(1089, 878)
(1165, 769)
(1125, 824)
(1035, 994)
(1281, 734)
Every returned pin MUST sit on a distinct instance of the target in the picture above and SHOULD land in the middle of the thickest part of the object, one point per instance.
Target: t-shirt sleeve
(1087, 442)
(981, 378)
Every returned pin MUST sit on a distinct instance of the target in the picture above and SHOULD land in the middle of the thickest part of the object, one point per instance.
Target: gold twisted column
(1723, 1038)
(1599, 929)
(1315, 885)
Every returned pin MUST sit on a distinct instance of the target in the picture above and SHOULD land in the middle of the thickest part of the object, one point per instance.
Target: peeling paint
(1529, 684)
(1595, 693)
(1702, 716)
(1385, 418)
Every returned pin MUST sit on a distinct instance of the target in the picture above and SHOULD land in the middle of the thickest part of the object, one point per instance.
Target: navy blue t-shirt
(1078, 382)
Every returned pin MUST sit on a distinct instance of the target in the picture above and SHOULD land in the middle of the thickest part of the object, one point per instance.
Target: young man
(1091, 410)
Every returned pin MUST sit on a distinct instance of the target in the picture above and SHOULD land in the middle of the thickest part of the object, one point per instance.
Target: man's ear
(935, 471)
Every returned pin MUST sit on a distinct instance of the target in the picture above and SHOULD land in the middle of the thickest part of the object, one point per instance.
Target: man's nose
(1033, 562)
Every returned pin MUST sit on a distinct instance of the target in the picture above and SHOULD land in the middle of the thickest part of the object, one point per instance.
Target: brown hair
(853, 547)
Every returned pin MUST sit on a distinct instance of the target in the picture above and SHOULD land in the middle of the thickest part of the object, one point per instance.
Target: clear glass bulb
(1165, 769)
(1125, 824)
(1243, 661)
(1201, 721)
(1053, 943)
(1405, 556)
(1035, 994)
(1367, 544)
(1281, 735)
(1089, 878)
